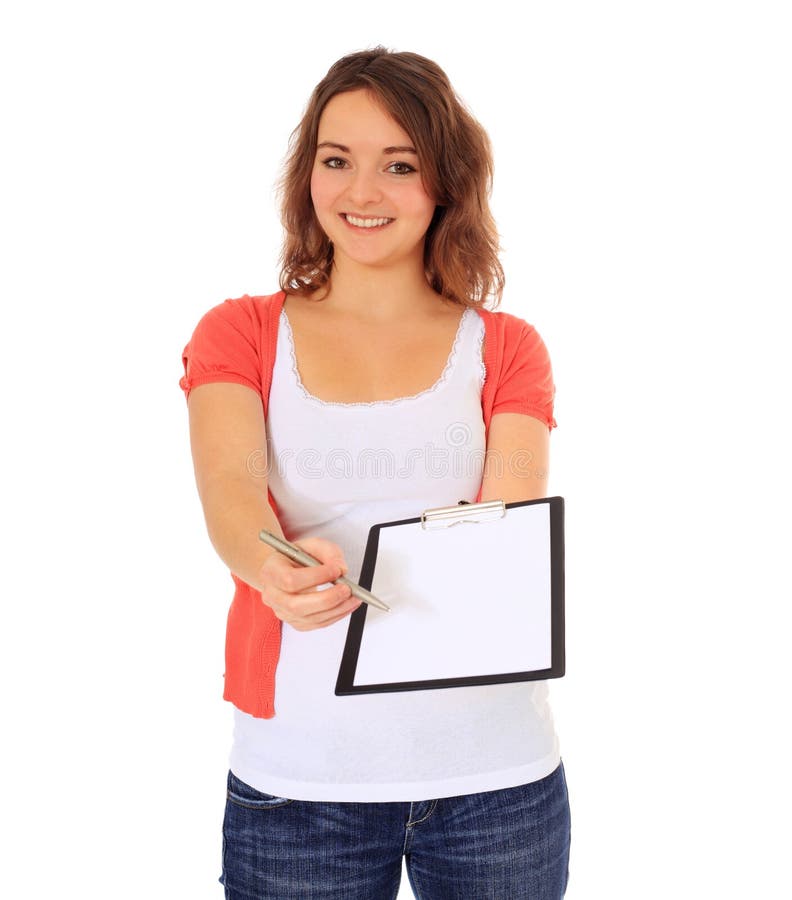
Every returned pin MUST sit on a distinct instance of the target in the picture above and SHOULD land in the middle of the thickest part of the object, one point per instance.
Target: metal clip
(473, 513)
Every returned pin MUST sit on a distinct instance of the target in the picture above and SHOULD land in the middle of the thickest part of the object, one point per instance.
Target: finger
(323, 550)
(311, 604)
(328, 617)
(292, 578)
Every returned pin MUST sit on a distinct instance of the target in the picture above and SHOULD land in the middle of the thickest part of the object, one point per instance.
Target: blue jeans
(511, 844)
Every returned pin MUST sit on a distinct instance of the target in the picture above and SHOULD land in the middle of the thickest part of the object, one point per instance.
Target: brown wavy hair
(461, 248)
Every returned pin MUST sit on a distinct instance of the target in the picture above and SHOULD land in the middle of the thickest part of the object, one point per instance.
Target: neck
(380, 295)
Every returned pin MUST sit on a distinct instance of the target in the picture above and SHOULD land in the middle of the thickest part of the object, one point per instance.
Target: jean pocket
(243, 794)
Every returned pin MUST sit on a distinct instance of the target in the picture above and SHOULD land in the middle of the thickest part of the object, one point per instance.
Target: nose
(364, 188)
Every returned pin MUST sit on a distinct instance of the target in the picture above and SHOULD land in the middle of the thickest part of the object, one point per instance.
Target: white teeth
(366, 223)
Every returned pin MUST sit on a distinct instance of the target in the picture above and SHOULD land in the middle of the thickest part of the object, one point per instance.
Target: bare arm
(517, 459)
(228, 440)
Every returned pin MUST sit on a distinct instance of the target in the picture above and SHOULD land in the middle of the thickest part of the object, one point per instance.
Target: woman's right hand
(289, 589)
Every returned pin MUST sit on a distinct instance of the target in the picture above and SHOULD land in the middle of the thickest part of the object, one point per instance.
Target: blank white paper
(468, 600)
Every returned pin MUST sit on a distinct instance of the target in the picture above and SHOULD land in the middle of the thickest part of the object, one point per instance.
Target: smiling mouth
(367, 224)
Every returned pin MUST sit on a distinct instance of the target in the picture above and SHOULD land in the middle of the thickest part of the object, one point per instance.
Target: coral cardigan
(235, 342)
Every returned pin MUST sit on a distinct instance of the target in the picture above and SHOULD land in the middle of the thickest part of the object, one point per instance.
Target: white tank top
(335, 470)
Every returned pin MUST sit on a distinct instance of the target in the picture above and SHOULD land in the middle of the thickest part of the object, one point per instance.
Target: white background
(643, 196)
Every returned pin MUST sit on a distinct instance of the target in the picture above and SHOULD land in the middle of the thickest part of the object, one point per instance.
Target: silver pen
(294, 553)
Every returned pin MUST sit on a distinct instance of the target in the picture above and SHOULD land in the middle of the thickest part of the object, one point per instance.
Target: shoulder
(519, 375)
(233, 341)
(247, 309)
(507, 335)
(505, 324)
(246, 320)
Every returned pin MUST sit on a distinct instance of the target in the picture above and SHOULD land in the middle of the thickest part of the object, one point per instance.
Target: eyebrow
(386, 151)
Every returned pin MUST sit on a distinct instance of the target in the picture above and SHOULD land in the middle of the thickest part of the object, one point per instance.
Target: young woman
(378, 344)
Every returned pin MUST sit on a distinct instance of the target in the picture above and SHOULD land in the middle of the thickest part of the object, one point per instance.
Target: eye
(400, 168)
(334, 162)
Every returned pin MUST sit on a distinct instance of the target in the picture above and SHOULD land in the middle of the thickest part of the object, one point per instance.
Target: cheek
(320, 191)
(423, 204)
(426, 209)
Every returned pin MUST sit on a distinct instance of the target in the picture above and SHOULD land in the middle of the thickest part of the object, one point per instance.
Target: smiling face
(366, 184)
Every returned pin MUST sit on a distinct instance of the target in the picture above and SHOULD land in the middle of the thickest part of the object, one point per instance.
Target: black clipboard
(432, 635)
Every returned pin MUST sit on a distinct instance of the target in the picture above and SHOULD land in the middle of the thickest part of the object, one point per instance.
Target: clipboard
(476, 593)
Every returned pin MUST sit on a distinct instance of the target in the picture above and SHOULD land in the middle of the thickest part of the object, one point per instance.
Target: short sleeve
(526, 384)
(225, 346)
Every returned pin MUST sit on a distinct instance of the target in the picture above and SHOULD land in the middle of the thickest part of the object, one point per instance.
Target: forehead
(356, 117)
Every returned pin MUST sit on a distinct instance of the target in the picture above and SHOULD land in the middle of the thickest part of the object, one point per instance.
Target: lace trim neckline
(396, 400)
